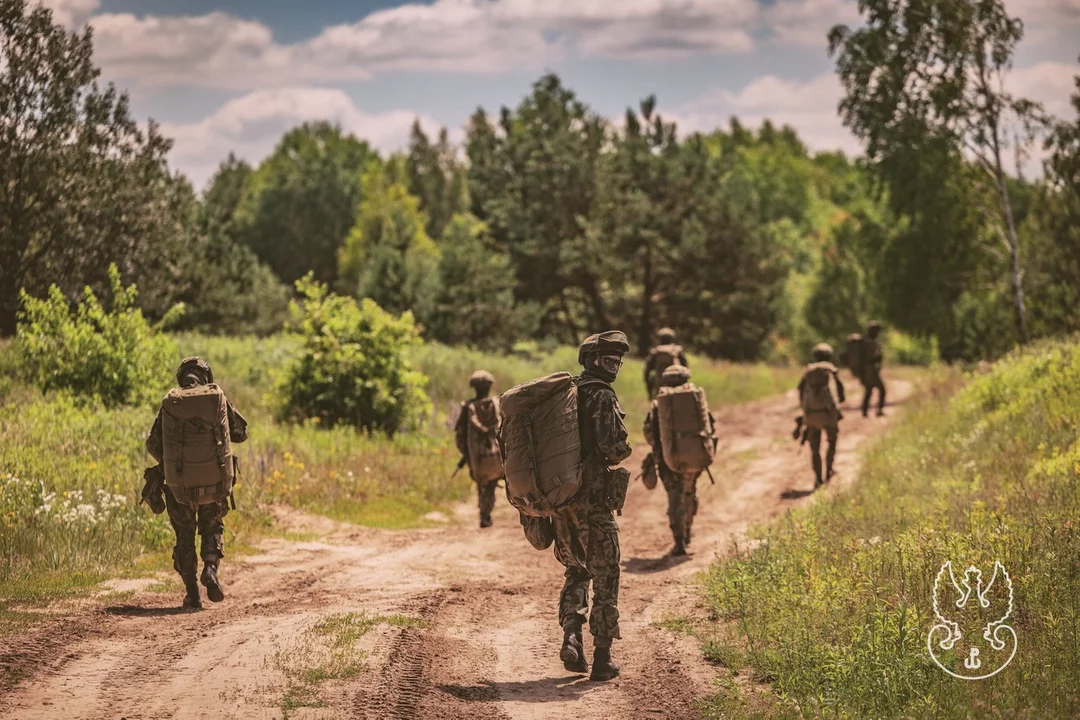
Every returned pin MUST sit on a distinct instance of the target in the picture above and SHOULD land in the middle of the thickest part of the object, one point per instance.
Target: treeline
(546, 223)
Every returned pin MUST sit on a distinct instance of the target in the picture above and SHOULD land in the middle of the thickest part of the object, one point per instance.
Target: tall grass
(833, 606)
(70, 472)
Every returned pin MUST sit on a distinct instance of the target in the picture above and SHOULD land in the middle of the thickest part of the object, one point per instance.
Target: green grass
(71, 472)
(831, 608)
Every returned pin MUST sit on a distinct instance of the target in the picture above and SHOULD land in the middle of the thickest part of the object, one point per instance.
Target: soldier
(820, 412)
(586, 534)
(681, 487)
(871, 378)
(186, 515)
(476, 426)
(666, 353)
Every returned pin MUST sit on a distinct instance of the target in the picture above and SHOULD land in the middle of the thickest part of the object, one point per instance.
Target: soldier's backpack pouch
(539, 531)
(648, 472)
(153, 492)
(616, 484)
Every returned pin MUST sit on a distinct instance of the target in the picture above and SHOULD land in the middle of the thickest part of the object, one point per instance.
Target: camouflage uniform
(681, 487)
(481, 381)
(871, 378)
(586, 533)
(666, 336)
(187, 519)
(822, 358)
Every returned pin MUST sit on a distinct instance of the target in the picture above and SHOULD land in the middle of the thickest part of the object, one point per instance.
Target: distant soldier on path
(666, 353)
(695, 440)
(819, 408)
(871, 376)
(475, 437)
(191, 439)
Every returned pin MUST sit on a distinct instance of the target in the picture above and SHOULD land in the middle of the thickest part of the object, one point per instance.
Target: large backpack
(198, 459)
(855, 354)
(683, 419)
(817, 401)
(483, 445)
(663, 357)
(541, 446)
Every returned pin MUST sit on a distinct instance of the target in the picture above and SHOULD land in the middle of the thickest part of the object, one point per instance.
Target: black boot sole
(573, 659)
(603, 676)
(213, 588)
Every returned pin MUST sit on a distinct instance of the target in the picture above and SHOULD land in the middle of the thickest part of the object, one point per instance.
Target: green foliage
(437, 177)
(352, 368)
(81, 185)
(388, 256)
(833, 606)
(113, 355)
(297, 208)
(475, 305)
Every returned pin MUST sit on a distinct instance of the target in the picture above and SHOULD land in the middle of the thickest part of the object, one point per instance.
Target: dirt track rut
(488, 643)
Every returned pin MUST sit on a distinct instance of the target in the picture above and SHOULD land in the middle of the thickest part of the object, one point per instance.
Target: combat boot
(572, 653)
(192, 599)
(679, 549)
(210, 580)
(603, 667)
(485, 520)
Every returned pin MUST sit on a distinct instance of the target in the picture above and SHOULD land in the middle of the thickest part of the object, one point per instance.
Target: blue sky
(232, 75)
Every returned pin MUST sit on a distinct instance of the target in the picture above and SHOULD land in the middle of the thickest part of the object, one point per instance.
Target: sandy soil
(488, 647)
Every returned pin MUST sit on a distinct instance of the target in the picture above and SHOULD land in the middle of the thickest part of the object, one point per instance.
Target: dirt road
(487, 644)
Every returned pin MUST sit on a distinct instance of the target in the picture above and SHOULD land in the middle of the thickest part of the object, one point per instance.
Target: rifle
(711, 478)
(461, 463)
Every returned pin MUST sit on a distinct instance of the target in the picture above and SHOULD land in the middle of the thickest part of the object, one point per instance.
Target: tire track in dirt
(487, 639)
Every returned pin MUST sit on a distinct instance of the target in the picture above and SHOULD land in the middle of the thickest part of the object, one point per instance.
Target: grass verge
(827, 613)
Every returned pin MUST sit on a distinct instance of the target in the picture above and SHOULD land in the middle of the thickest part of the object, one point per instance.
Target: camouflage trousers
(485, 495)
(814, 436)
(872, 382)
(587, 544)
(207, 520)
(682, 502)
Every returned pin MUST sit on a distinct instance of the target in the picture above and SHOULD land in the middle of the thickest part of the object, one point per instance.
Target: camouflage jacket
(650, 362)
(155, 442)
(604, 440)
(461, 430)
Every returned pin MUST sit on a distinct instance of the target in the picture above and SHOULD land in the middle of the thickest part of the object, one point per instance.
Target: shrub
(112, 355)
(352, 368)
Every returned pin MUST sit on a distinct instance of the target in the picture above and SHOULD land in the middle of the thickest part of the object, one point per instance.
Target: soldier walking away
(191, 439)
(871, 378)
(475, 436)
(569, 495)
(666, 353)
(820, 413)
(680, 415)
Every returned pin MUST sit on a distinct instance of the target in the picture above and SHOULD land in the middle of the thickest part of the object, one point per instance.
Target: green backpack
(855, 354)
(817, 401)
(198, 460)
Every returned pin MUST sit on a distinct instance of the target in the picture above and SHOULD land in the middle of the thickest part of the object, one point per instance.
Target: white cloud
(806, 23)
(223, 50)
(251, 126)
(71, 13)
(809, 107)
(1045, 11)
(1049, 83)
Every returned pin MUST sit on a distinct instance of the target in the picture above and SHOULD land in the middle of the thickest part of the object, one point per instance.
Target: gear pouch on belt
(539, 531)
(615, 486)
(152, 493)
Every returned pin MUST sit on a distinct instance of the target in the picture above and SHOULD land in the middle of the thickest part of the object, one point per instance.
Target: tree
(388, 255)
(81, 185)
(927, 77)
(475, 305)
(437, 177)
(298, 207)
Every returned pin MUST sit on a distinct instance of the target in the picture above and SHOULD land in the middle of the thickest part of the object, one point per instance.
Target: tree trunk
(645, 327)
(1016, 273)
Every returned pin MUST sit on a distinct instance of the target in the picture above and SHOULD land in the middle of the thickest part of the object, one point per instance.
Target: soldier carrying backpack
(562, 438)
(820, 412)
(475, 436)
(666, 353)
(192, 440)
(682, 433)
(871, 372)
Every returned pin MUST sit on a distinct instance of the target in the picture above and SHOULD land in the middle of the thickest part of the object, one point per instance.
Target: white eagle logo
(996, 605)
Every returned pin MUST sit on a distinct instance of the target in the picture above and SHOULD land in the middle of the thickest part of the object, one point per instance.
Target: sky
(226, 76)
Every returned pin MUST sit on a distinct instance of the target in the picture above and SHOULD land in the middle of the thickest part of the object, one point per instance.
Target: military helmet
(675, 375)
(665, 335)
(612, 342)
(873, 328)
(192, 365)
(480, 378)
(822, 352)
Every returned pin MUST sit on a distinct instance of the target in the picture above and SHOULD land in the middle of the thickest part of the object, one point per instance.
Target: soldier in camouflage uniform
(586, 533)
(681, 487)
(822, 358)
(186, 519)
(871, 378)
(665, 337)
(481, 382)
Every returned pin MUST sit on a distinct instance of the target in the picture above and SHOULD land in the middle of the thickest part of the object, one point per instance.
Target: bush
(352, 367)
(112, 355)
